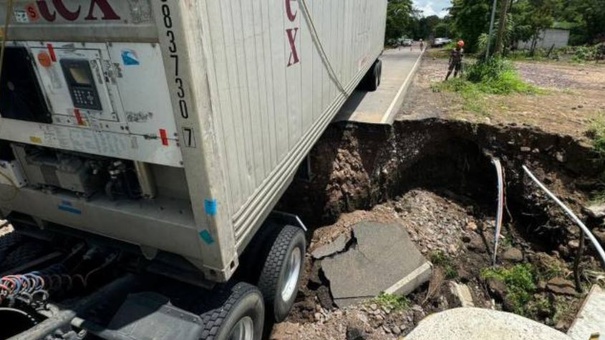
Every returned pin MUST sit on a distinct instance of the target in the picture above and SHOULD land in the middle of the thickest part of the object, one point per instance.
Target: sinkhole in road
(416, 170)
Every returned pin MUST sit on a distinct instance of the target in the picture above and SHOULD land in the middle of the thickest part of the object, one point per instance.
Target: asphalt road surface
(381, 106)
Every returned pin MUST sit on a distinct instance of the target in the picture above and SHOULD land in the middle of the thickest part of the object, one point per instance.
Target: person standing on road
(455, 62)
(421, 45)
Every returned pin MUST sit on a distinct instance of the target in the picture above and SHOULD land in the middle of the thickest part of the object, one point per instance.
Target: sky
(432, 7)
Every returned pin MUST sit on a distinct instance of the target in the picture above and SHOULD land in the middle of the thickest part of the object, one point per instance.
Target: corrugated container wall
(271, 92)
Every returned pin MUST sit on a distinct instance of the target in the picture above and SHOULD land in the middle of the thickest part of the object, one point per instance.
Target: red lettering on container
(66, 13)
(45, 11)
(105, 7)
(32, 12)
(289, 13)
(71, 15)
(292, 32)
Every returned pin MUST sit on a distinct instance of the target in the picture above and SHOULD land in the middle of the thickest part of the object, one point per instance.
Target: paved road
(381, 106)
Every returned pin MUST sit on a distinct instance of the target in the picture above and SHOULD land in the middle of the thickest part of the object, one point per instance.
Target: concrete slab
(484, 324)
(382, 105)
(591, 318)
(462, 293)
(384, 259)
(331, 248)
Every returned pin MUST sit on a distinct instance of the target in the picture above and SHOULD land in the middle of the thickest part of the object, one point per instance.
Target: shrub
(520, 284)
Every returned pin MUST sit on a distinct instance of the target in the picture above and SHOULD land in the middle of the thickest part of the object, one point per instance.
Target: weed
(392, 302)
(520, 284)
(439, 258)
(539, 308)
(548, 270)
(562, 309)
(597, 132)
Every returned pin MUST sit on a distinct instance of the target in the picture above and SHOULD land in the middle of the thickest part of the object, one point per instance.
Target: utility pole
(502, 26)
(491, 28)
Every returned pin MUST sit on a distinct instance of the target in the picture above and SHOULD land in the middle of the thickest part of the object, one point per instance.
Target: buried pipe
(570, 213)
(500, 212)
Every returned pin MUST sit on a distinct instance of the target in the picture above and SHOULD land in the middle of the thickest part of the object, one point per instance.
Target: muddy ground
(431, 172)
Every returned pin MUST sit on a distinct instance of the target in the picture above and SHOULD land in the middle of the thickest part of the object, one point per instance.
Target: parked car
(440, 42)
(407, 42)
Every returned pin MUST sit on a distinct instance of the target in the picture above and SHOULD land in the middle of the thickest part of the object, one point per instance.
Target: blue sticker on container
(211, 207)
(68, 208)
(130, 58)
(205, 235)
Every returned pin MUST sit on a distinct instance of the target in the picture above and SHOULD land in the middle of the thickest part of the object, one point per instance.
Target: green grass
(562, 308)
(548, 270)
(483, 78)
(520, 285)
(439, 258)
(392, 302)
(596, 131)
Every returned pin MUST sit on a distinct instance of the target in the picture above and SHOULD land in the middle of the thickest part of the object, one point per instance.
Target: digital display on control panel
(81, 84)
(80, 76)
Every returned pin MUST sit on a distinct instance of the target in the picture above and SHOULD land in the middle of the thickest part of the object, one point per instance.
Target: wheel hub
(243, 330)
(292, 274)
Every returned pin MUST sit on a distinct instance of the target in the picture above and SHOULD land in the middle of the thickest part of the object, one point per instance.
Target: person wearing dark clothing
(455, 63)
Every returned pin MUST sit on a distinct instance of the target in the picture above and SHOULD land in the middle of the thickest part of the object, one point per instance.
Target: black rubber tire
(233, 303)
(372, 79)
(379, 72)
(274, 271)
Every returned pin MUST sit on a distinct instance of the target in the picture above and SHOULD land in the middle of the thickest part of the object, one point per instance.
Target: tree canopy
(585, 19)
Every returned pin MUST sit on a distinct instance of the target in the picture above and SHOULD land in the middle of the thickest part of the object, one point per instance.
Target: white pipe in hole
(586, 231)
(500, 212)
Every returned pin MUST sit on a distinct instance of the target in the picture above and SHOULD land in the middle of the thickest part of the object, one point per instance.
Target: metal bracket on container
(288, 218)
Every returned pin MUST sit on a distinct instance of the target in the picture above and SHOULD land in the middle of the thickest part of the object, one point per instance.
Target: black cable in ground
(576, 264)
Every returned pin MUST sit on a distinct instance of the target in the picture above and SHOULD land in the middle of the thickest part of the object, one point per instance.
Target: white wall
(548, 37)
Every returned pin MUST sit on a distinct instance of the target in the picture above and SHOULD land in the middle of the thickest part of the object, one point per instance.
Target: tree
(589, 17)
(399, 18)
(532, 17)
(502, 26)
(470, 19)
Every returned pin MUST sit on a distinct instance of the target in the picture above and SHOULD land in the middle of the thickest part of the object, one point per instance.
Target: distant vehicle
(440, 42)
(407, 42)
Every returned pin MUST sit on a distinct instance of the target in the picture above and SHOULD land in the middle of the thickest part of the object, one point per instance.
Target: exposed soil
(434, 176)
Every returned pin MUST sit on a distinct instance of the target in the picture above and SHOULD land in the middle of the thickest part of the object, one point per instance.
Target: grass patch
(520, 285)
(492, 77)
(539, 308)
(439, 258)
(596, 131)
(549, 269)
(392, 302)
(563, 309)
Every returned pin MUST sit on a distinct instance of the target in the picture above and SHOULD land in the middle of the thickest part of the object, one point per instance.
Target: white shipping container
(252, 86)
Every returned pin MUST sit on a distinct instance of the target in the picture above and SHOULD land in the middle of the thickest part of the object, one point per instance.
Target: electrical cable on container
(570, 213)
(322, 53)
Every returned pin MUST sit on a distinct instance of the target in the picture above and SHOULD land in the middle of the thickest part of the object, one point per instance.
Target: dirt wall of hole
(358, 166)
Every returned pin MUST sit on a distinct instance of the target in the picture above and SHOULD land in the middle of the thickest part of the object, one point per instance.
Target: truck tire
(240, 314)
(372, 79)
(281, 273)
